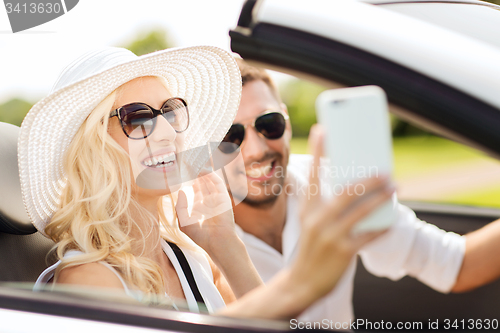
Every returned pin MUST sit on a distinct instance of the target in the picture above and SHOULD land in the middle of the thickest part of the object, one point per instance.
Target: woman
(96, 161)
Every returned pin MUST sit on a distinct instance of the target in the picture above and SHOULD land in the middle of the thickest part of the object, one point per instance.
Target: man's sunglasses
(271, 125)
(138, 120)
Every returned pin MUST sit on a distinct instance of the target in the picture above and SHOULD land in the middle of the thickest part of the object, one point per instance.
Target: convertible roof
(472, 2)
(462, 62)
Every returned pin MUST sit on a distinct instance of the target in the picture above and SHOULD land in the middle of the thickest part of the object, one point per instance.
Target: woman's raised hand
(327, 243)
(212, 217)
(211, 226)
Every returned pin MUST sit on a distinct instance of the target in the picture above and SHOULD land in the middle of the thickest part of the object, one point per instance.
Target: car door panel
(410, 300)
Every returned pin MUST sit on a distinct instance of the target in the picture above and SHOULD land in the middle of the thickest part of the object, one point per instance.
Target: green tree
(149, 41)
(14, 110)
(300, 96)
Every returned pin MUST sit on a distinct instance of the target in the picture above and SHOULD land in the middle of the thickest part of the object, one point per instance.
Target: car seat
(23, 250)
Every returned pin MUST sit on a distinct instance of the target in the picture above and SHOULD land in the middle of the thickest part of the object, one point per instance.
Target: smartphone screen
(358, 144)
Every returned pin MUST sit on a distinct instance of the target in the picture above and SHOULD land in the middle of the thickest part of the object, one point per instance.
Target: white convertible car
(438, 62)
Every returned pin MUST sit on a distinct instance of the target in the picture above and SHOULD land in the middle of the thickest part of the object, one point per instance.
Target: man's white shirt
(410, 247)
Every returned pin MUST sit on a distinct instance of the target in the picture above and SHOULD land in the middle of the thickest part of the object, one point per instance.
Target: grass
(485, 197)
(298, 145)
(419, 157)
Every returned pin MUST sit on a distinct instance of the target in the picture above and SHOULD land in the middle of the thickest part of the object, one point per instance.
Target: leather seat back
(23, 250)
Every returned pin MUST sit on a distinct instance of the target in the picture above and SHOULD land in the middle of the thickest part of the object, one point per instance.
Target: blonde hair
(95, 212)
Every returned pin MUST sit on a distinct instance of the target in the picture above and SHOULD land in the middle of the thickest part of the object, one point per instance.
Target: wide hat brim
(207, 77)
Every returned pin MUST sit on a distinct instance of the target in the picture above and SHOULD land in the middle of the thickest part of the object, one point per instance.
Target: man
(269, 225)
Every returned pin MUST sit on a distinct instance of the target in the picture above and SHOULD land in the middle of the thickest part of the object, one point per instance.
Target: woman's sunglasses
(270, 125)
(138, 120)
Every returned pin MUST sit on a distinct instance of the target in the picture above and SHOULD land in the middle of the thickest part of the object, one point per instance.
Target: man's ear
(288, 122)
(284, 108)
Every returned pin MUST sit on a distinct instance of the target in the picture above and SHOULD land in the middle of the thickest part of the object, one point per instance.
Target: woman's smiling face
(153, 160)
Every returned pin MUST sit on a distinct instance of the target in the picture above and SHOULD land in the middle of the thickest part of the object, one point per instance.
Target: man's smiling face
(265, 159)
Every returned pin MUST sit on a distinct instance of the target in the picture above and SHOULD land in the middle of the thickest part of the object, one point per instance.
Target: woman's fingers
(365, 205)
(315, 147)
(203, 186)
(339, 216)
(218, 182)
(210, 183)
(182, 209)
(197, 191)
(354, 194)
(211, 180)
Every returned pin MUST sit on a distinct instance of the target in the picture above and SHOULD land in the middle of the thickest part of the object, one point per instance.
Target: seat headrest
(13, 216)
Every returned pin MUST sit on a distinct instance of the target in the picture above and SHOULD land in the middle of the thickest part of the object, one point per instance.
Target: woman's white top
(198, 263)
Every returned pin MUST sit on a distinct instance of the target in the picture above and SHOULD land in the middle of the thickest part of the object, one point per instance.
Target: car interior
(23, 251)
(409, 300)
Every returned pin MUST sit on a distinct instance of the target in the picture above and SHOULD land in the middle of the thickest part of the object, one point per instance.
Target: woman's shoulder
(93, 274)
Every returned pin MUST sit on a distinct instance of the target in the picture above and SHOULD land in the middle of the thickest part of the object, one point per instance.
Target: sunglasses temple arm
(114, 113)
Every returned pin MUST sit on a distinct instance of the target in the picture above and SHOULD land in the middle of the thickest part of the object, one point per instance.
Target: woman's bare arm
(221, 283)
(217, 234)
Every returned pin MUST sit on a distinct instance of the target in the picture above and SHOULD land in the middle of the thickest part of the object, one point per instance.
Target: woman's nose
(163, 130)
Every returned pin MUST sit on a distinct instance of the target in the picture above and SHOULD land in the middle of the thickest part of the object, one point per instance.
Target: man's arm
(418, 249)
(481, 263)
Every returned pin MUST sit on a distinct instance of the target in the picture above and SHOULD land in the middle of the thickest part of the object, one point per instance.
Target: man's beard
(270, 199)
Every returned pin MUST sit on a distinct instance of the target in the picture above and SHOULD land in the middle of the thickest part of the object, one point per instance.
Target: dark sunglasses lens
(138, 120)
(233, 139)
(271, 125)
(175, 111)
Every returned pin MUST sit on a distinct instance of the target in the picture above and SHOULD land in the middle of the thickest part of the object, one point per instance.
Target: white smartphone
(358, 144)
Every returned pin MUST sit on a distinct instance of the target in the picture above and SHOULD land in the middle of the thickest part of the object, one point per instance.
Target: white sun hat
(207, 77)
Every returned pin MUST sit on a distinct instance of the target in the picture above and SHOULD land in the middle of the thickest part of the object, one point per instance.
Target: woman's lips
(165, 162)
(159, 159)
